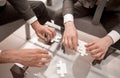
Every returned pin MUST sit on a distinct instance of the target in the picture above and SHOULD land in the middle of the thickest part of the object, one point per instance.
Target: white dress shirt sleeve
(114, 35)
(68, 17)
(31, 20)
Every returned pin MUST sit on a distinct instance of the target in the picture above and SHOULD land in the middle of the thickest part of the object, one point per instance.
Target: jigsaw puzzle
(61, 68)
(81, 48)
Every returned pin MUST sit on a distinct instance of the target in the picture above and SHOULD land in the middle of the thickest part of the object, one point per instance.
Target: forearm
(8, 56)
(36, 25)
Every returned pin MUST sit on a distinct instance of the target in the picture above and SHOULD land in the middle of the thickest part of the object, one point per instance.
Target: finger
(49, 33)
(98, 55)
(66, 42)
(63, 41)
(75, 43)
(47, 56)
(39, 65)
(94, 51)
(70, 45)
(44, 60)
(42, 51)
(42, 37)
(91, 47)
(52, 30)
(89, 44)
(102, 56)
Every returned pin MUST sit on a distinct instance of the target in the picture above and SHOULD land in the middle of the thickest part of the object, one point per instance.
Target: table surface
(73, 62)
(77, 66)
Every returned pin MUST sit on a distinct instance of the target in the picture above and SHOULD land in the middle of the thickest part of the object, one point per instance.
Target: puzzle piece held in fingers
(81, 48)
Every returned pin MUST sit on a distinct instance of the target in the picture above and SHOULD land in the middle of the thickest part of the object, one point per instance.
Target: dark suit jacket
(111, 5)
(68, 5)
(21, 6)
(2, 3)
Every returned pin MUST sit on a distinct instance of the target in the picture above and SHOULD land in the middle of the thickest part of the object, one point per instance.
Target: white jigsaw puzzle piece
(61, 68)
(81, 48)
(53, 25)
(40, 43)
(64, 68)
(57, 38)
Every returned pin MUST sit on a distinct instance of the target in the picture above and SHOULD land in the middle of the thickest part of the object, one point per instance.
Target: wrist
(36, 25)
(69, 24)
(109, 40)
(8, 56)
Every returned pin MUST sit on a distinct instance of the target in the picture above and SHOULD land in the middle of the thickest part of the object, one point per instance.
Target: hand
(27, 57)
(70, 36)
(34, 57)
(42, 30)
(98, 48)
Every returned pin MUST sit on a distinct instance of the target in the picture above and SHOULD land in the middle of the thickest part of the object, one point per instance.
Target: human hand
(98, 48)
(41, 31)
(70, 36)
(31, 57)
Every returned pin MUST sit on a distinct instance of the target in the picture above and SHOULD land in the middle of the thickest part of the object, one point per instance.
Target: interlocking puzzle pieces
(81, 45)
(40, 43)
(38, 75)
(57, 38)
(53, 25)
(61, 68)
(81, 48)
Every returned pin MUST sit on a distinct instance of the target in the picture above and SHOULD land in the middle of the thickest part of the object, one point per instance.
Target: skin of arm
(27, 57)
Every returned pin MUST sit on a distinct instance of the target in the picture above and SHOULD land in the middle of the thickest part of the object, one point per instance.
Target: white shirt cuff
(68, 17)
(114, 35)
(31, 20)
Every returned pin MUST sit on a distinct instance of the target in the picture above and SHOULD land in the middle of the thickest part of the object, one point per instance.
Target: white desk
(107, 69)
(79, 67)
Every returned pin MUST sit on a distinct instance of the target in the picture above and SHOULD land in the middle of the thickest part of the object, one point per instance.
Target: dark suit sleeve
(67, 7)
(117, 28)
(23, 7)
